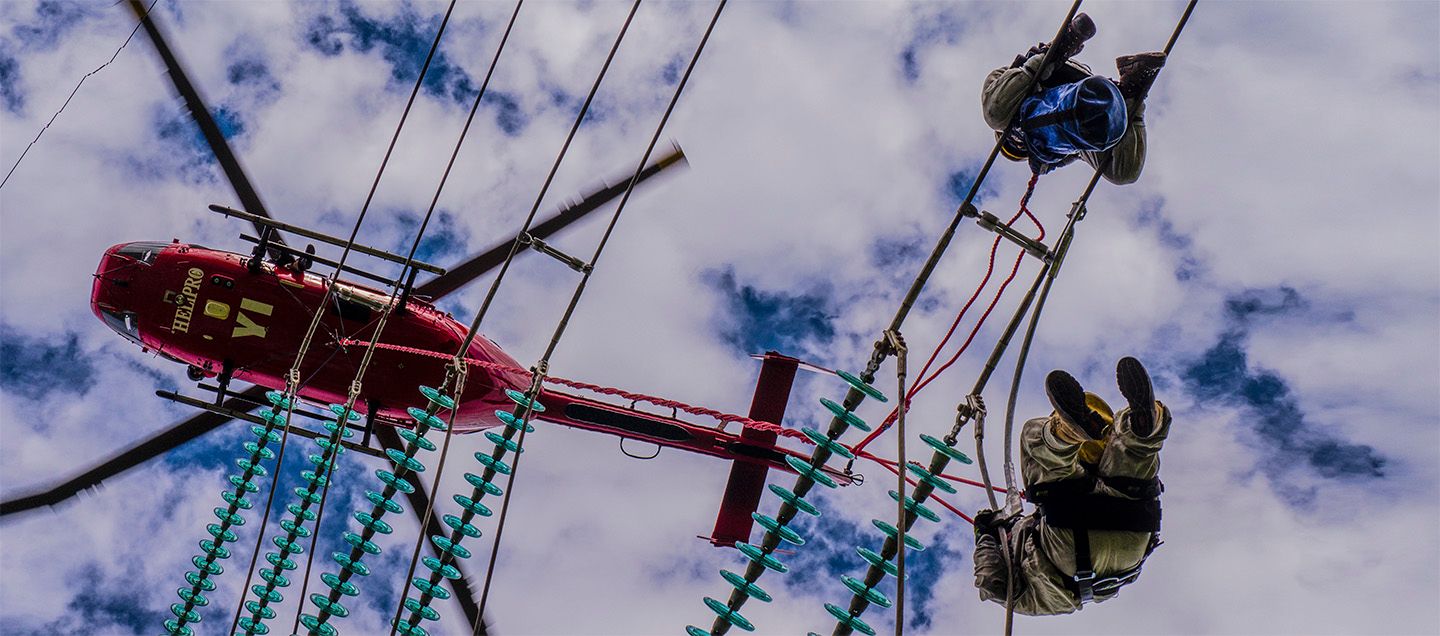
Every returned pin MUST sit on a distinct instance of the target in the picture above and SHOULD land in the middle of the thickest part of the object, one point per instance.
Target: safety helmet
(1092, 449)
(1101, 408)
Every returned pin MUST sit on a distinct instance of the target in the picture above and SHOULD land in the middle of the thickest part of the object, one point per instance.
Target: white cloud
(1279, 158)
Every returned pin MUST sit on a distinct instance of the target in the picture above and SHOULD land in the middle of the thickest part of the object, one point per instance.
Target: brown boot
(1069, 401)
(1138, 72)
(1134, 384)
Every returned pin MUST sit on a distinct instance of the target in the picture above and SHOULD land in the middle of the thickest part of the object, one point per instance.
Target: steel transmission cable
(542, 366)
(72, 95)
(455, 378)
(973, 406)
(458, 361)
(292, 377)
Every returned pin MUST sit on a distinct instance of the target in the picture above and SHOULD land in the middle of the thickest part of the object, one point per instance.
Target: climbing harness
(1085, 583)
(1077, 505)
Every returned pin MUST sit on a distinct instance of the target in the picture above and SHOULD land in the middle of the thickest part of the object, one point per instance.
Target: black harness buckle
(1084, 586)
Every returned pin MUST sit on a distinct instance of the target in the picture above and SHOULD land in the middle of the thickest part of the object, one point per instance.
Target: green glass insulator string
(274, 578)
(882, 564)
(207, 565)
(777, 530)
(451, 548)
(372, 522)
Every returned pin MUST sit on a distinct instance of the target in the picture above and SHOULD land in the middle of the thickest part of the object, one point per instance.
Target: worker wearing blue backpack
(1072, 112)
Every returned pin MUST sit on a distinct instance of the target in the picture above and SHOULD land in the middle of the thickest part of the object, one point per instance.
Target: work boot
(1069, 401)
(1080, 29)
(1138, 72)
(1135, 386)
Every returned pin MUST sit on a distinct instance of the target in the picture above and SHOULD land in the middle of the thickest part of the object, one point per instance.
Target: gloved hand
(1038, 49)
(990, 522)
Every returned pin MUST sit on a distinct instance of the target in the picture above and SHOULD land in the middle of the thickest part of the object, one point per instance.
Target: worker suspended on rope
(1071, 111)
(1093, 477)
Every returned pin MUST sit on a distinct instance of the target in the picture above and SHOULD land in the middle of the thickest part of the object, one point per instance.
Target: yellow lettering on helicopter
(245, 326)
(185, 300)
(256, 306)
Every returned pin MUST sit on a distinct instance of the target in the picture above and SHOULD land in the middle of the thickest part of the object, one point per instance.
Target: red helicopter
(238, 316)
(229, 316)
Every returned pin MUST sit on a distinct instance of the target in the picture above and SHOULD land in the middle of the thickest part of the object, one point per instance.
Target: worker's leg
(1133, 449)
(1130, 455)
(1121, 165)
(1047, 452)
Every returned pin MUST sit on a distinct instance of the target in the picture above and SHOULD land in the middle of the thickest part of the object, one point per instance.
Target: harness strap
(1086, 587)
(1050, 118)
(1132, 487)
(1074, 504)
(1102, 512)
(1135, 487)
(1084, 570)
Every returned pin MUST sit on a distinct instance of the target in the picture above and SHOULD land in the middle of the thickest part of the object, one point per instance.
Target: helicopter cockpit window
(124, 323)
(144, 252)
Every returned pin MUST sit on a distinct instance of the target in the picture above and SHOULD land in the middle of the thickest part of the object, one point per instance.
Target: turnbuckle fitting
(545, 248)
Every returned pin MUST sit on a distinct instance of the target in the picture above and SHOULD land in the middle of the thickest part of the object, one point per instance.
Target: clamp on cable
(972, 408)
(545, 248)
(994, 224)
(882, 350)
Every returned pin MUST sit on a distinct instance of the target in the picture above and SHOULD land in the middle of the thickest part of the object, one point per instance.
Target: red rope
(891, 463)
(989, 271)
(910, 480)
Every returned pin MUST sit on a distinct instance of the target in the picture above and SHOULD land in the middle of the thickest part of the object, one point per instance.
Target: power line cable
(72, 95)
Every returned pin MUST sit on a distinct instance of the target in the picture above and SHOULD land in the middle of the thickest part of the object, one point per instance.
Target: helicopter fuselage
(211, 310)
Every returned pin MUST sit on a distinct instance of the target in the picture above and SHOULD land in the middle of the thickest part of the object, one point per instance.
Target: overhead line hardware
(254, 403)
(541, 246)
(994, 224)
(325, 238)
(848, 621)
(240, 415)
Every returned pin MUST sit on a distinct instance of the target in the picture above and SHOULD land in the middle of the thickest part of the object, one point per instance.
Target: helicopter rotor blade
(249, 198)
(456, 277)
(158, 444)
(419, 501)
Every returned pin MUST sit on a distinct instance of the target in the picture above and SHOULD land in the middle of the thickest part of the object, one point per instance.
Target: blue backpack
(1084, 116)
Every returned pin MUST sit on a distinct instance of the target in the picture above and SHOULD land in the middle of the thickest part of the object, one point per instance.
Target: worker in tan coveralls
(1072, 112)
(1094, 479)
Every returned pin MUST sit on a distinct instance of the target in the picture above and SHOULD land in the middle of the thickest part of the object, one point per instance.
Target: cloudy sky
(1275, 268)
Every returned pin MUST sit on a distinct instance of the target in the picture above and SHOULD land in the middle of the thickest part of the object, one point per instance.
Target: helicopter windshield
(123, 322)
(143, 252)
